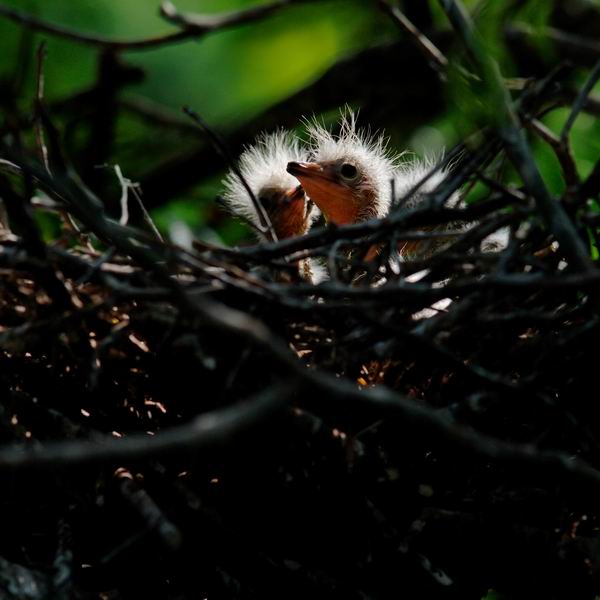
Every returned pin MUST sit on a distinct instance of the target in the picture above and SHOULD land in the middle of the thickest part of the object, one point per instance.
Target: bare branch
(201, 24)
(191, 26)
(205, 431)
(580, 101)
(516, 145)
(431, 52)
(221, 146)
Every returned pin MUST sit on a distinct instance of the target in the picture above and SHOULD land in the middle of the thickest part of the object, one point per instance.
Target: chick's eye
(349, 171)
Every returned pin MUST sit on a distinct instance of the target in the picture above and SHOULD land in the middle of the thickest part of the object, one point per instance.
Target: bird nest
(207, 423)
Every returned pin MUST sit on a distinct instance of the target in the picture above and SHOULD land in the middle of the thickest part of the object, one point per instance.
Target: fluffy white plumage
(410, 173)
(263, 167)
(367, 151)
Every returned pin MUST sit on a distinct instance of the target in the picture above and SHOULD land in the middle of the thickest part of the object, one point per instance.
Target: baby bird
(353, 175)
(350, 175)
(263, 167)
(290, 211)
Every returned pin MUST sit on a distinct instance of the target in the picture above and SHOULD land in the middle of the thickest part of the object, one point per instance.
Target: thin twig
(205, 431)
(425, 45)
(205, 23)
(149, 512)
(124, 199)
(191, 26)
(517, 148)
(580, 102)
(136, 190)
(74, 35)
(561, 148)
(39, 106)
(221, 147)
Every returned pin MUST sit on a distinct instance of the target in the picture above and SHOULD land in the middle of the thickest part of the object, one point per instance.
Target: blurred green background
(232, 77)
(229, 76)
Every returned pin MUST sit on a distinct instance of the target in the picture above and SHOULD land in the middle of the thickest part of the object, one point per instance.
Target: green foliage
(228, 76)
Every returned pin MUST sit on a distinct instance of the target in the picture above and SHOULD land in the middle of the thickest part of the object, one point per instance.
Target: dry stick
(61, 165)
(401, 290)
(205, 431)
(591, 105)
(150, 513)
(205, 23)
(128, 186)
(75, 268)
(22, 220)
(94, 267)
(515, 195)
(301, 254)
(566, 39)
(580, 102)
(221, 147)
(222, 204)
(213, 428)
(427, 47)
(194, 26)
(577, 107)
(124, 199)
(372, 230)
(562, 150)
(38, 106)
(137, 194)
(399, 237)
(518, 150)
(90, 39)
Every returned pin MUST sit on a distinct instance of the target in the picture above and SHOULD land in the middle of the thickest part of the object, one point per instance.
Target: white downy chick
(352, 175)
(263, 167)
(349, 175)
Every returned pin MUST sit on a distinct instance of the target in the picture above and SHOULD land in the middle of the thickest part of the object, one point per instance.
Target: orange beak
(294, 196)
(289, 214)
(323, 186)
